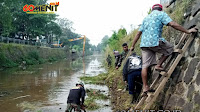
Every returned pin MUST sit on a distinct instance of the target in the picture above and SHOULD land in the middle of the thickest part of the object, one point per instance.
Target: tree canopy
(14, 21)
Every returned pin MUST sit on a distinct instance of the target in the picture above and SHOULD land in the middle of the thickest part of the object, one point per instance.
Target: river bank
(13, 55)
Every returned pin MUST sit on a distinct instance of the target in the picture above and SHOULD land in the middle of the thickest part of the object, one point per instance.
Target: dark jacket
(76, 94)
(133, 63)
(122, 57)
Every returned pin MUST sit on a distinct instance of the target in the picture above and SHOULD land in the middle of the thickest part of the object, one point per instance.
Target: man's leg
(130, 83)
(159, 65)
(131, 86)
(166, 49)
(77, 108)
(138, 83)
(69, 107)
(116, 61)
(148, 59)
(144, 79)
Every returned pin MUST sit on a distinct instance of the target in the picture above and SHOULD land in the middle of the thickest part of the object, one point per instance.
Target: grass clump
(91, 104)
(99, 79)
(5, 62)
(94, 95)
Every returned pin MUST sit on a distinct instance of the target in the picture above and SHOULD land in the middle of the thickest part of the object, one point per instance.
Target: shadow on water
(45, 87)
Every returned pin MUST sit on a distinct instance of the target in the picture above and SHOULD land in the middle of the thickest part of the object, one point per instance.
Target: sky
(97, 18)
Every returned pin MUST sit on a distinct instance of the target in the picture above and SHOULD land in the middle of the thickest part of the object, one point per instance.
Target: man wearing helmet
(152, 41)
(73, 100)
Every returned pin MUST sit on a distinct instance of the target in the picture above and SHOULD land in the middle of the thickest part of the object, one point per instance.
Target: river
(45, 87)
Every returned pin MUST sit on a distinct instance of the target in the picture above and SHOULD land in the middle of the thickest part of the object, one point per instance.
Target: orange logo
(41, 9)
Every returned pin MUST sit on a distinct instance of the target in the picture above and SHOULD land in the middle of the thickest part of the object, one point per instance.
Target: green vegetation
(12, 55)
(99, 79)
(92, 96)
(96, 94)
(91, 104)
(48, 27)
(179, 10)
(116, 85)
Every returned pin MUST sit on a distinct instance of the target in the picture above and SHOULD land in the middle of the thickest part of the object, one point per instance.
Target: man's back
(75, 94)
(152, 28)
(133, 63)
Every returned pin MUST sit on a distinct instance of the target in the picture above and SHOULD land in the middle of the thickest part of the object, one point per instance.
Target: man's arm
(119, 61)
(125, 70)
(135, 40)
(180, 28)
(82, 96)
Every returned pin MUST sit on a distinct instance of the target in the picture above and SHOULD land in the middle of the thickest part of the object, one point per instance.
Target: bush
(5, 62)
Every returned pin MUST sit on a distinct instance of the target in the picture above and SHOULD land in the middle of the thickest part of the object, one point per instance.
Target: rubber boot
(133, 99)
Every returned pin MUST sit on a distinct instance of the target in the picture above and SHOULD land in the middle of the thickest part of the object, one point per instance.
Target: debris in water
(21, 97)
(119, 90)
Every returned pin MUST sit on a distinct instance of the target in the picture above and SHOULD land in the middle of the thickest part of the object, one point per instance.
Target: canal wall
(12, 55)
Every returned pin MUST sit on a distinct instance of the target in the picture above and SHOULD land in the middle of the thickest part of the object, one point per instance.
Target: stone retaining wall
(183, 89)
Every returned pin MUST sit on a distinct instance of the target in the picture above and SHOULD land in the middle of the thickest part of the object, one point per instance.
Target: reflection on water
(45, 87)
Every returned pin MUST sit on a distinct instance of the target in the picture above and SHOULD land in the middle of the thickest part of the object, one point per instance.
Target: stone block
(198, 79)
(198, 66)
(185, 65)
(192, 49)
(180, 76)
(198, 51)
(193, 22)
(180, 102)
(188, 107)
(190, 92)
(196, 8)
(180, 89)
(172, 102)
(197, 99)
(188, 12)
(191, 69)
(186, 21)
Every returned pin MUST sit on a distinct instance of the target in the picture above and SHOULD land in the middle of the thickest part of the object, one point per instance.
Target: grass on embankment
(99, 79)
(121, 100)
(12, 55)
(94, 95)
(113, 79)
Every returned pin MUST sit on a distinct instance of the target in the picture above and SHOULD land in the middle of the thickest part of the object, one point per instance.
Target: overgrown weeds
(13, 55)
(94, 95)
(99, 79)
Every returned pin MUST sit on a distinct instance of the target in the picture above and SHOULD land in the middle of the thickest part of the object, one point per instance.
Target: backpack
(135, 63)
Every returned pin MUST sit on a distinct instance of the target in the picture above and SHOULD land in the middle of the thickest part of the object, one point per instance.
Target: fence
(19, 41)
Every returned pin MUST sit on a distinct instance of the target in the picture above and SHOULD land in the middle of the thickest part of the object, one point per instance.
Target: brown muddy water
(45, 88)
